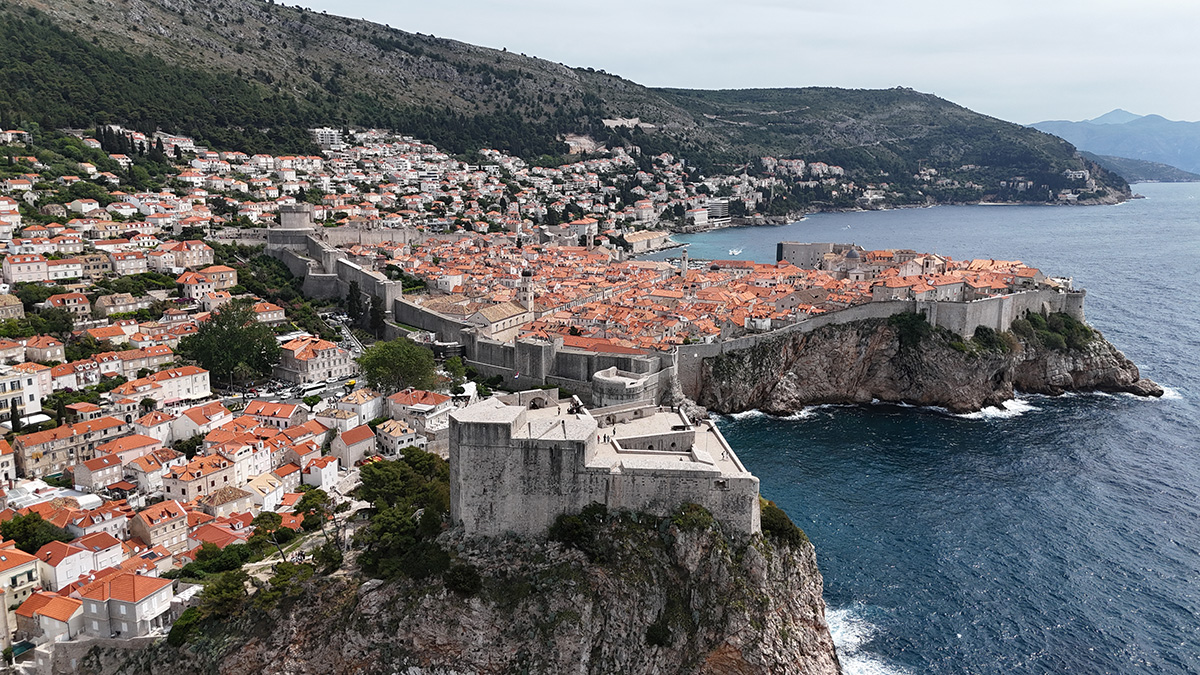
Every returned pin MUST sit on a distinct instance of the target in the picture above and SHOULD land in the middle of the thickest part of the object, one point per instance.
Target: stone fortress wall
(961, 318)
(325, 270)
(515, 468)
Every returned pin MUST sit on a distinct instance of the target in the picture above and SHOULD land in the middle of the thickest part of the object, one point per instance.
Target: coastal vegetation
(1057, 331)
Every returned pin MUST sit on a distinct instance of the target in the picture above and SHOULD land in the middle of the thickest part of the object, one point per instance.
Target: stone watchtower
(526, 289)
(295, 216)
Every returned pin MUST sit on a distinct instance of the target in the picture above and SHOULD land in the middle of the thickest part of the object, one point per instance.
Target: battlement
(516, 469)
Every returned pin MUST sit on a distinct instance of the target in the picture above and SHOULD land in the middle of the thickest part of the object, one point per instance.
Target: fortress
(327, 271)
(519, 461)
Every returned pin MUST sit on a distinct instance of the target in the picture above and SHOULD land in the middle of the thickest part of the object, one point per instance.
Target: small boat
(735, 251)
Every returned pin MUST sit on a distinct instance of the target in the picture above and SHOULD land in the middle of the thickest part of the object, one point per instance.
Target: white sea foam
(1169, 394)
(850, 632)
(804, 414)
(1009, 409)
(748, 414)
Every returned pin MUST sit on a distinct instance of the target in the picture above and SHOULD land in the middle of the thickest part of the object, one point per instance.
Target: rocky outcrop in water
(650, 597)
(868, 360)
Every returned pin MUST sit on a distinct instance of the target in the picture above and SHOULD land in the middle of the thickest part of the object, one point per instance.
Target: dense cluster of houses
(138, 508)
(592, 298)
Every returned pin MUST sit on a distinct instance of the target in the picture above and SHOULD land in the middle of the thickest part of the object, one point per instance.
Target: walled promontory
(904, 360)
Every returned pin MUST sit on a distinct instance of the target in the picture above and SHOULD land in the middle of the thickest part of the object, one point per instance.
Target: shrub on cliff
(776, 523)
(692, 517)
(225, 596)
(910, 328)
(463, 579)
(579, 531)
(181, 630)
(989, 339)
(1058, 331)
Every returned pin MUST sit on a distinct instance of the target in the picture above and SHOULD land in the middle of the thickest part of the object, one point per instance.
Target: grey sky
(1020, 60)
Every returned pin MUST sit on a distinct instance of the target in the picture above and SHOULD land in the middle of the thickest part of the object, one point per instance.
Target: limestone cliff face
(865, 361)
(718, 606)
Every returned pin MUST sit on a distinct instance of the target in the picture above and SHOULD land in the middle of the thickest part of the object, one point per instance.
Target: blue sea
(1055, 535)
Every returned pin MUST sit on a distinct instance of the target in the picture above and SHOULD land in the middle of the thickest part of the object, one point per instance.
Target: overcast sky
(1020, 60)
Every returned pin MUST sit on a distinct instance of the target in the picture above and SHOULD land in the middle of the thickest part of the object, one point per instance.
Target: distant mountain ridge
(1120, 133)
(252, 75)
(1141, 171)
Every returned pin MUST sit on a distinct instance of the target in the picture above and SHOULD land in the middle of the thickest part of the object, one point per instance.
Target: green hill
(253, 76)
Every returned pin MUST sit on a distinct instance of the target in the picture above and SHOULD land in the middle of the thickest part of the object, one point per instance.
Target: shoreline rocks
(865, 361)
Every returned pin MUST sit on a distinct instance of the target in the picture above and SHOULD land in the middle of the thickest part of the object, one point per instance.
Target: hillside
(647, 597)
(251, 75)
(1152, 138)
(1142, 171)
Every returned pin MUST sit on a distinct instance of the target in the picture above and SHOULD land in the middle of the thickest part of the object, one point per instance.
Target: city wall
(961, 318)
(324, 268)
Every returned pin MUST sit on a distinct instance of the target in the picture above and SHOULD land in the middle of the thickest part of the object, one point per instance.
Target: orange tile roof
(358, 435)
(55, 552)
(163, 511)
(12, 557)
(124, 586)
(49, 605)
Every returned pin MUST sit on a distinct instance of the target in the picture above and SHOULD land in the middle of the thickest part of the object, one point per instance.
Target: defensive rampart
(961, 318)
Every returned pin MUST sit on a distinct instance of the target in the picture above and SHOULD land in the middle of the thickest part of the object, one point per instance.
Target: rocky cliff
(649, 596)
(889, 361)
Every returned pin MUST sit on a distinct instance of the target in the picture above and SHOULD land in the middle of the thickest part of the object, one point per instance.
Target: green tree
(390, 366)
(31, 294)
(148, 405)
(85, 347)
(455, 368)
(225, 596)
(268, 524)
(14, 417)
(354, 307)
(328, 556)
(54, 321)
(377, 314)
(232, 344)
(190, 446)
(31, 532)
(317, 506)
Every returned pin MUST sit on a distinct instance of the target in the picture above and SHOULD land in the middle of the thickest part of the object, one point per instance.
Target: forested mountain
(253, 75)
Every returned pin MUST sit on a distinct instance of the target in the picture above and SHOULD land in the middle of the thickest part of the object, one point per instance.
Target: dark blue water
(1060, 536)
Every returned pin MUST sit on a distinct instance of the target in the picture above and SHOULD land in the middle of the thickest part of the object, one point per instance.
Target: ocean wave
(1169, 394)
(804, 414)
(747, 415)
(1007, 410)
(850, 633)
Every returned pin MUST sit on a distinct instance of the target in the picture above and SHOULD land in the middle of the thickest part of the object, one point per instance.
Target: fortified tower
(526, 289)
